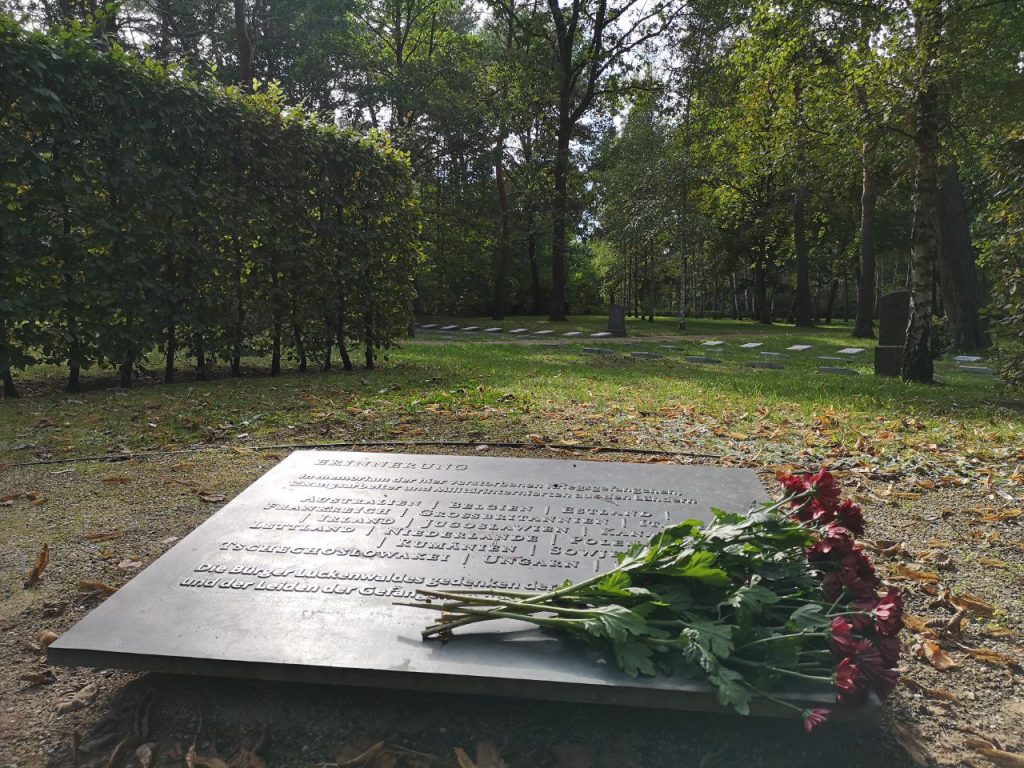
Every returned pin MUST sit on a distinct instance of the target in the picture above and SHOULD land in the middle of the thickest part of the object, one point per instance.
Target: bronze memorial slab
(296, 578)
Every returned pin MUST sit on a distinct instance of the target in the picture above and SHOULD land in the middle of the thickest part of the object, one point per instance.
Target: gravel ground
(967, 536)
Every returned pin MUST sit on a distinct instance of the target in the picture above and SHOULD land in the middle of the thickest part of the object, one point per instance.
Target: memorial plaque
(297, 577)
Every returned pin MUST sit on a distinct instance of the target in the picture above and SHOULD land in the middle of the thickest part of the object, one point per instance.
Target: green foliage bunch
(141, 208)
(1004, 253)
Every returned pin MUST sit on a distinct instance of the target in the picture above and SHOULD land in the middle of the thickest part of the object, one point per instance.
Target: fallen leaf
(193, 760)
(78, 700)
(95, 588)
(535, 439)
(46, 637)
(45, 677)
(103, 535)
(169, 540)
(993, 562)
(116, 479)
(930, 650)
(212, 498)
(361, 759)
(129, 565)
(912, 744)
(971, 604)
(144, 755)
(917, 624)
(905, 571)
(1002, 758)
(990, 656)
(35, 575)
(932, 693)
(487, 756)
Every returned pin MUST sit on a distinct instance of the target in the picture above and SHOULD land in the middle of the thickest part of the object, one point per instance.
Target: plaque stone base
(296, 579)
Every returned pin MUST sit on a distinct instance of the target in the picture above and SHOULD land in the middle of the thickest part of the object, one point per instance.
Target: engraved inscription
(377, 528)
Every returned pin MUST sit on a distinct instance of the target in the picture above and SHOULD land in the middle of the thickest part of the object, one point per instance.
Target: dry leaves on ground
(78, 700)
(35, 574)
(211, 498)
(487, 756)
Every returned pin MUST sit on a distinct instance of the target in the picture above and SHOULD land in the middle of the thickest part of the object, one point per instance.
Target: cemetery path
(104, 522)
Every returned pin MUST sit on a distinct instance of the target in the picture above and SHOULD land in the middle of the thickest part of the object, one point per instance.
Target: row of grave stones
(767, 364)
(523, 332)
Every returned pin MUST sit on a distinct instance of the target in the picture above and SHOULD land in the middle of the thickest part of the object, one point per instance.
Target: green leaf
(810, 616)
(634, 658)
(713, 637)
(731, 689)
(616, 623)
(751, 598)
(701, 567)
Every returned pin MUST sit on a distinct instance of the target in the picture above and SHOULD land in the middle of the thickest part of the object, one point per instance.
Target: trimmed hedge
(142, 209)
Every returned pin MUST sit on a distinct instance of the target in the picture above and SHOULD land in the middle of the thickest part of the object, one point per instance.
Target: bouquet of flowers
(779, 597)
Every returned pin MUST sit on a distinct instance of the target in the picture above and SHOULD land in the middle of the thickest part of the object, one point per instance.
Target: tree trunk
(125, 371)
(346, 361)
(682, 293)
(803, 269)
(170, 352)
(245, 73)
(559, 215)
(864, 326)
(278, 324)
(956, 265)
(917, 355)
(761, 307)
(831, 305)
(505, 239)
(10, 390)
(535, 287)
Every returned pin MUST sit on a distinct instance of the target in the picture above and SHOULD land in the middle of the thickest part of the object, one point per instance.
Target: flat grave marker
(600, 334)
(495, 329)
(471, 328)
(979, 370)
(799, 348)
(519, 330)
(597, 351)
(647, 355)
(764, 364)
(850, 351)
(703, 359)
(752, 345)
(428, 326)
(776, 355)
(967, 358)
(296, 579)
(545, 332)
(573, 333)
(450, 328)
(712, 343)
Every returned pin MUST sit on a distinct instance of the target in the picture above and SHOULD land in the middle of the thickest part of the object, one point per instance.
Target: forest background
(777, 161)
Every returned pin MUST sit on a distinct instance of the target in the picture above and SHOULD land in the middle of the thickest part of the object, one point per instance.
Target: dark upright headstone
(299, 578)
(893, 315)
(617, 320)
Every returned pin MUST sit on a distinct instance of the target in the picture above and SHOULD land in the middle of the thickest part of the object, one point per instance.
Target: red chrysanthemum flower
(889, 614)
(850, 683)
(792, 484)
(883, 682)
(856, 574)
(889, 648)
(824, 489)
(815, 717)
(851, 518)
(844, 641)
(835, 542)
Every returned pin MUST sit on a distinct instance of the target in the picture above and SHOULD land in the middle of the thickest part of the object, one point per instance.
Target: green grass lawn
(480, 391)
